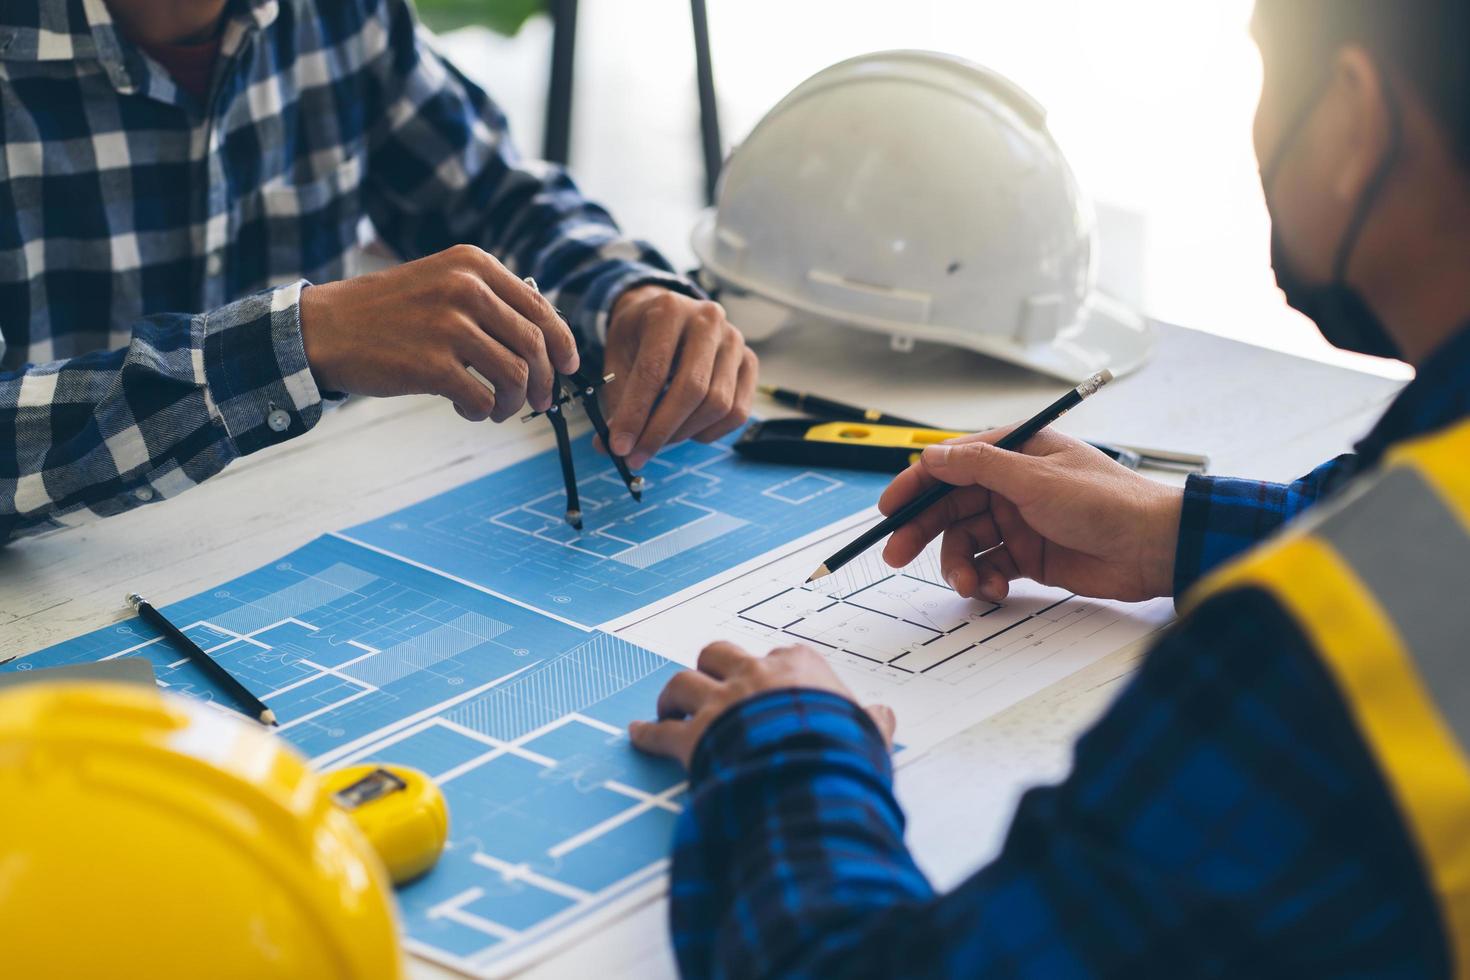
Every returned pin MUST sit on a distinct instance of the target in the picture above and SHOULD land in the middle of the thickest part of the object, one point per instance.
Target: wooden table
(1257, 414)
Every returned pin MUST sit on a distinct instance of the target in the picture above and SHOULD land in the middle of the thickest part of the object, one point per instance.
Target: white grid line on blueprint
(523, 872)
(461, 581)
(640, 802)
(825, 484)
(452, 909)
(587, 673)
(615, 821)
(660, 800)
(710, 523)
(405, 726)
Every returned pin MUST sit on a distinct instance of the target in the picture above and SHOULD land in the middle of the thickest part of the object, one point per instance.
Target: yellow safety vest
(1379, 580)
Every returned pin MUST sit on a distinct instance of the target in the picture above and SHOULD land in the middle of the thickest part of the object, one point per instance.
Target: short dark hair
(1426, 42)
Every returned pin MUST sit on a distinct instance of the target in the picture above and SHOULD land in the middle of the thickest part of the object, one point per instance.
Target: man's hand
(659, 339)
(1063, 514)
(727, 675)
(416, 328)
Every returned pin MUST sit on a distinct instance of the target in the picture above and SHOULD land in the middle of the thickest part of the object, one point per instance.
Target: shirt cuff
(1221, 519)
(778, 723)
(255, 369)
(595, 311)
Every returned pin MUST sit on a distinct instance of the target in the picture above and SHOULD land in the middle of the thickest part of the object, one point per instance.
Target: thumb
(1012, 475)
(885, 719)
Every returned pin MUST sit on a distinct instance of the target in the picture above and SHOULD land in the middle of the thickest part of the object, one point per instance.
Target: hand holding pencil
(1014, 439)
(1061, 513)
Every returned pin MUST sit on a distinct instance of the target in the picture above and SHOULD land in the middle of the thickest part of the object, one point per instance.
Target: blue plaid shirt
(154, 246)
(1224, 818)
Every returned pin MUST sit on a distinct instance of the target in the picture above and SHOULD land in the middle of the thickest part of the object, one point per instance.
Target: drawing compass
(581, 386)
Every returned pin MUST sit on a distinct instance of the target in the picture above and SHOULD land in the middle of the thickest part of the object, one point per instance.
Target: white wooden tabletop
(1256, 413)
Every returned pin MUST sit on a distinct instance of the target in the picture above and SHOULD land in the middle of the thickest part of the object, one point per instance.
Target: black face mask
(1337, 309)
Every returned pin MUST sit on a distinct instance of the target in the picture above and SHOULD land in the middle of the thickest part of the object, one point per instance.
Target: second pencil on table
(239, 693)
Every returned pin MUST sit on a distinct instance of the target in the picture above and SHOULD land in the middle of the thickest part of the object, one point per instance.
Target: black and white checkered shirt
(153, 246)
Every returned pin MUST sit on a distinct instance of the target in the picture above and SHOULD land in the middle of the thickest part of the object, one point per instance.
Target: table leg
(709, 113)
(557, 141)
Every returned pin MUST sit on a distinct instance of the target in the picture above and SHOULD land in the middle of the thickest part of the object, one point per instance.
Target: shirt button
(144, 494)
(213, 264)
(279, 420)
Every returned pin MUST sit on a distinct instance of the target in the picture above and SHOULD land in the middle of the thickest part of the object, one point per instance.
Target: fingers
(555, 337)
(446, 374)
(556, 334)
(797, 651)
(995, 571)
(685, 373)
(1044, 443)
(918, 477)
(884, 718)
(905, 487)
(1013, 475)
(508, 329)
(685, 692)
(507, 371)
(905, 544)
(1023, 544)
(472, 400)
(727, 675)
(962, 542)
(672, 739)
(617, 361)
(972, 460)
(690, 385)
(745, 382)
(644, 381)
(721, 659)
(921, 476)
(719, 399)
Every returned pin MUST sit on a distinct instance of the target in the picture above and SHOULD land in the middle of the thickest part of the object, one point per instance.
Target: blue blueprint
(704, 510)
(517, 716)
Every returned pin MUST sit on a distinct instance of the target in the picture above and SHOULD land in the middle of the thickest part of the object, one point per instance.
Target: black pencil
(252, 704)
(829, 408)
(1013, 440)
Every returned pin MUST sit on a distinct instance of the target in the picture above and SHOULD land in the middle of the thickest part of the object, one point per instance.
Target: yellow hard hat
(145, 835)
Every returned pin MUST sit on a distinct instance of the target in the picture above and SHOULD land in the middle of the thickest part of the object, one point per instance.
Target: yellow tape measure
(400, 811)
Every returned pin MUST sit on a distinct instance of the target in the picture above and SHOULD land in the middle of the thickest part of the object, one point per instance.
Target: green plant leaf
(502, 16)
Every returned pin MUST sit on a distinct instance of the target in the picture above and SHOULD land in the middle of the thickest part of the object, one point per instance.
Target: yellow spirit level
(859, 445)
(845, 445)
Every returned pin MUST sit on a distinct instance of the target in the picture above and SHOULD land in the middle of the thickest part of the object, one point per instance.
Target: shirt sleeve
(103, 433)
(1224, 517)
(443, 171)
(1224, 818)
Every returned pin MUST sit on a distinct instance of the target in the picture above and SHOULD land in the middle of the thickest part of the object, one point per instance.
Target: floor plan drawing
(900, 637)
(704, 510)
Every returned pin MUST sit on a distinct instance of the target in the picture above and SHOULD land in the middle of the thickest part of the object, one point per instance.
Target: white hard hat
(922, 196)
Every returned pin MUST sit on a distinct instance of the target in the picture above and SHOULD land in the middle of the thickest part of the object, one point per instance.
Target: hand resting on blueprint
(727, 675)
(683, 372)
(416, 328)
(1061, 514)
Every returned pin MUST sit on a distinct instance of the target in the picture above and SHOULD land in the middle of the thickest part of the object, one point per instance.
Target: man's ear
(1356, 124)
